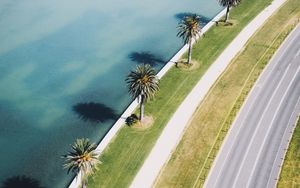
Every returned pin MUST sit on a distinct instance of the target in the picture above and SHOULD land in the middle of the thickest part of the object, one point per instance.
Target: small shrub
(132, 119)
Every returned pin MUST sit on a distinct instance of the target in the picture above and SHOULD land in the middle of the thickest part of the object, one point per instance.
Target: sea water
(62, 70)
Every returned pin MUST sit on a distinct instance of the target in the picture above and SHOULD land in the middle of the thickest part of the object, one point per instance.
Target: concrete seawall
(131, 108)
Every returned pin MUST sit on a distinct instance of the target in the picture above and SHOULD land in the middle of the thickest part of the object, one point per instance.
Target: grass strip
(127, 152)
(192, 159)
(290, 173)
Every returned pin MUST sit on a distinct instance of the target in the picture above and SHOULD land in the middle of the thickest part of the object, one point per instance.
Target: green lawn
(125, 155)
(290, 174)
(192, 159)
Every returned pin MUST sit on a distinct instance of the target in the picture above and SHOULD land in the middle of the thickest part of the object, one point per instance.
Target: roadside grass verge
(290, 173)
(127, 152)
(190, 163)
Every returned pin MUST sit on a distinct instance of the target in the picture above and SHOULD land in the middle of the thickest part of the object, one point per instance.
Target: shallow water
(63, 65)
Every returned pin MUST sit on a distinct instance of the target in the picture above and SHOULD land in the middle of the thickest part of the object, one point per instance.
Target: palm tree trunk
(83, 184)
(190, 52)
(142, 108)
(227, 13)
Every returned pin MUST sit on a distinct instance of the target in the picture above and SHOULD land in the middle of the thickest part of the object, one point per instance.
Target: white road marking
(298, 53)
(284, 47)
(281, 146)
(272, 122)
(257, 127)
(253, 102)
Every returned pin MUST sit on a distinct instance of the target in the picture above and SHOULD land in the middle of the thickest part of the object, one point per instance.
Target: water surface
(63, 65)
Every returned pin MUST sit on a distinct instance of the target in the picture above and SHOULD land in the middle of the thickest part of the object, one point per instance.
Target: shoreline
(109, 136)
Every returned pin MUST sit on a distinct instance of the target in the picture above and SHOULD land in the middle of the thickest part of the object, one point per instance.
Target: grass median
(190, 163)
(290, 174)
(127, 152)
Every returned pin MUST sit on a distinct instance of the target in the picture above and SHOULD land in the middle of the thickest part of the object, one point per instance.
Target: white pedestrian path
(173, 131)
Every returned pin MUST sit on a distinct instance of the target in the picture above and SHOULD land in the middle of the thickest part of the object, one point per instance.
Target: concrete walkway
(173, 132)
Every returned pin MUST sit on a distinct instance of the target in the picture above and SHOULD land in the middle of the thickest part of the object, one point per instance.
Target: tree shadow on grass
(94, 112)
(203, 20)
(21, 182)
(146, 58)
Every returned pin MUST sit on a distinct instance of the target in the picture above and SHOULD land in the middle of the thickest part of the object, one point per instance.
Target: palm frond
(142, 81)
(82, 158)
(229, 3)
(189, 28)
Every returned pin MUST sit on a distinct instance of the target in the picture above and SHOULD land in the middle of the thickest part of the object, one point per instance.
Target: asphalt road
(253, 151)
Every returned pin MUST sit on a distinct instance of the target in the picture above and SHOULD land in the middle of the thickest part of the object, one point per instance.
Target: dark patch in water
(21, 182)
(94, 112)
(146, 58)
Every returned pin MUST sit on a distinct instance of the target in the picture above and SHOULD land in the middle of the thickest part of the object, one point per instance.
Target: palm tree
(189, 29)
(142, 83)
(82, 158)
(228, 4)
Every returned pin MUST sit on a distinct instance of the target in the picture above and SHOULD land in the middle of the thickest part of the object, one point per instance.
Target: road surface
(252, 153)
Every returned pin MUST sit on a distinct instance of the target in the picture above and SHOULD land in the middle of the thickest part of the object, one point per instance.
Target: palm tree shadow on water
(94, 112)
(21, 182)
(203, 20)
(145, 57)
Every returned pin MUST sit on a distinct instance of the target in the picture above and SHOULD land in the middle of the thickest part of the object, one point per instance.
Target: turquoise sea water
(62, 70)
